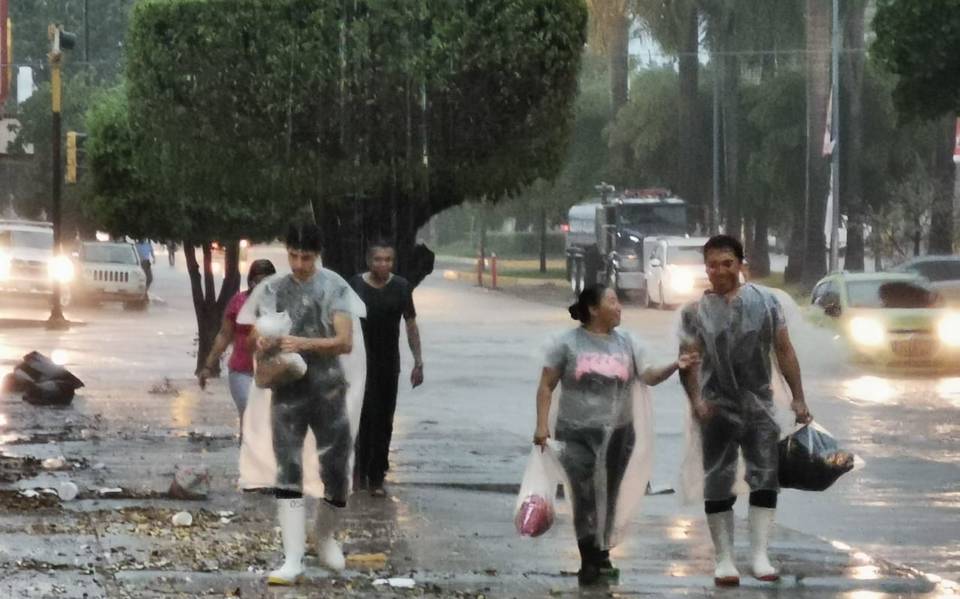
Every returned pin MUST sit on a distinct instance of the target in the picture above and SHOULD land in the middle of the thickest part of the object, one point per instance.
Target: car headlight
(681, 281)
(949, 330)
(6, 263)
(867, 331)
(61, 269)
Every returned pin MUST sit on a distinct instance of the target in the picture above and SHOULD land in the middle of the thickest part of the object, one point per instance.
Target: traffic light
(75, 155)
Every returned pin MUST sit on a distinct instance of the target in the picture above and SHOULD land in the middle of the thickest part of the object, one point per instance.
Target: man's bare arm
(413, 339)
(790, 367)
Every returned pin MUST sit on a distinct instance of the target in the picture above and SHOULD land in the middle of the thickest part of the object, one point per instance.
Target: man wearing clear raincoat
(298, 429)
(741, 334)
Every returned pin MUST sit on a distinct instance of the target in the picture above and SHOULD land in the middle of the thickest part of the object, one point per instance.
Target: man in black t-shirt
(388, 298)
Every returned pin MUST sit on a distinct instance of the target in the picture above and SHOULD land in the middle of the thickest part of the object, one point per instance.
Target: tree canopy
(917, 40)
(384, 109)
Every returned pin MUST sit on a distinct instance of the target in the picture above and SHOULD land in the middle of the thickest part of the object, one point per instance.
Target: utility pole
(60, 40)
(715, 211)
(835, 134)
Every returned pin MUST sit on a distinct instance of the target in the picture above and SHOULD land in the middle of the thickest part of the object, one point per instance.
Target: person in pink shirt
(240, 365)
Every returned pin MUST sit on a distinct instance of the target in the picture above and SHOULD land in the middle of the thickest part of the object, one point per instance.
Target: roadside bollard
(480, 270)
(493, 270)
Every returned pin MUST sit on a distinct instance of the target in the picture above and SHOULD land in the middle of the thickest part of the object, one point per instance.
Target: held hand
(416, 376)
(540, 436)
(799, 407)
(266, 344)
(688, 360)
(290, 344)
(702, 411)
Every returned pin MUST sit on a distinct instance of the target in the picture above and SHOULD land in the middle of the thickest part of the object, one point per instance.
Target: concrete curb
(502, 281)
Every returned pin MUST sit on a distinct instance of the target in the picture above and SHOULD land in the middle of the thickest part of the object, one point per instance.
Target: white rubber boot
(761, 521)
(328, 550)
(292, 515)
(725, 573)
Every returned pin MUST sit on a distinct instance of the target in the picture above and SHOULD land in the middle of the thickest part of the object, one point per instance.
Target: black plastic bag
(41, 368)
(50, 393)
(811, 460)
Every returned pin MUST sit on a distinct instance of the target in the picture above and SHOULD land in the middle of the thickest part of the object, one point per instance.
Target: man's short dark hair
(724, 242)
(304, 237)
(380, 244)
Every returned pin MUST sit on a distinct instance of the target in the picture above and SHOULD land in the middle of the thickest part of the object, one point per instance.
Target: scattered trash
(190, 482)
(107, 491)
(42, 382)
(57, 463)
(165, 387)
(396, 583)
(29, 493)
(182, 519)
(99, 466)
(67, 491)
(371, 561)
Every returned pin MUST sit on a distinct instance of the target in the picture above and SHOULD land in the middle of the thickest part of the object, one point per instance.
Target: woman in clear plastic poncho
(603, 423)
(298, 436)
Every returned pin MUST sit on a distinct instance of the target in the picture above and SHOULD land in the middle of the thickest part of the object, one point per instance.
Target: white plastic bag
(535, 511)
(277, 368)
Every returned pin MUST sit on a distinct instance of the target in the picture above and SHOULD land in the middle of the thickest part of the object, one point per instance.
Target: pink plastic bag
(535, 511)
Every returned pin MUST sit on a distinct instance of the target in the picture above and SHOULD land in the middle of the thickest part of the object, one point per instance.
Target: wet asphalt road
(469, 426)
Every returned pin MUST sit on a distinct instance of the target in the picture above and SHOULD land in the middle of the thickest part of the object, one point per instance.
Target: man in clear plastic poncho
(298, 434)
(738, 330)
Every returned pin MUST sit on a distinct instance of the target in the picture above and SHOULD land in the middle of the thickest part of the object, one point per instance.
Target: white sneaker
(725, 573)
(293, 530)
(761, 521)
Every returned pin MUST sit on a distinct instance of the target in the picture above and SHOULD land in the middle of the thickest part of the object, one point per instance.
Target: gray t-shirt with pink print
(597, 377)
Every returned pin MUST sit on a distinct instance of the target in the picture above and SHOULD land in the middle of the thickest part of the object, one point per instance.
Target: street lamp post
(60, 40)
(835, 135)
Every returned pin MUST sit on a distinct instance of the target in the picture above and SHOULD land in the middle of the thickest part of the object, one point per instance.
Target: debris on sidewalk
(182, 519)
(190, 482)
(42, 382)
(67, 491)
(164, 387)
(396, 583)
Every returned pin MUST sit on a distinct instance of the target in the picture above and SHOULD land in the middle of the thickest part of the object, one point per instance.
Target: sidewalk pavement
(452, 539)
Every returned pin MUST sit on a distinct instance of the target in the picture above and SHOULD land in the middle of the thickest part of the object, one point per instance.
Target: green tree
(675, 25)
(371, 115)
(917, 42)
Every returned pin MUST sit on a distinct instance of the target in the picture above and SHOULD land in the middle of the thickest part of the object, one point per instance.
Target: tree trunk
(818, 41)
(731, 139)
(941, 227)
(760, 256)
(689, 126)
(619, 62)
(543, 240)
(207, 306)
(852, 148)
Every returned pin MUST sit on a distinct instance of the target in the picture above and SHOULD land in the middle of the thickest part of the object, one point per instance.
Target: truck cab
(605, 237)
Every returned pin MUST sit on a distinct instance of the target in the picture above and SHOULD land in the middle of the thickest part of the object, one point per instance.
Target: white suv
(111, 271)
(27, 261)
